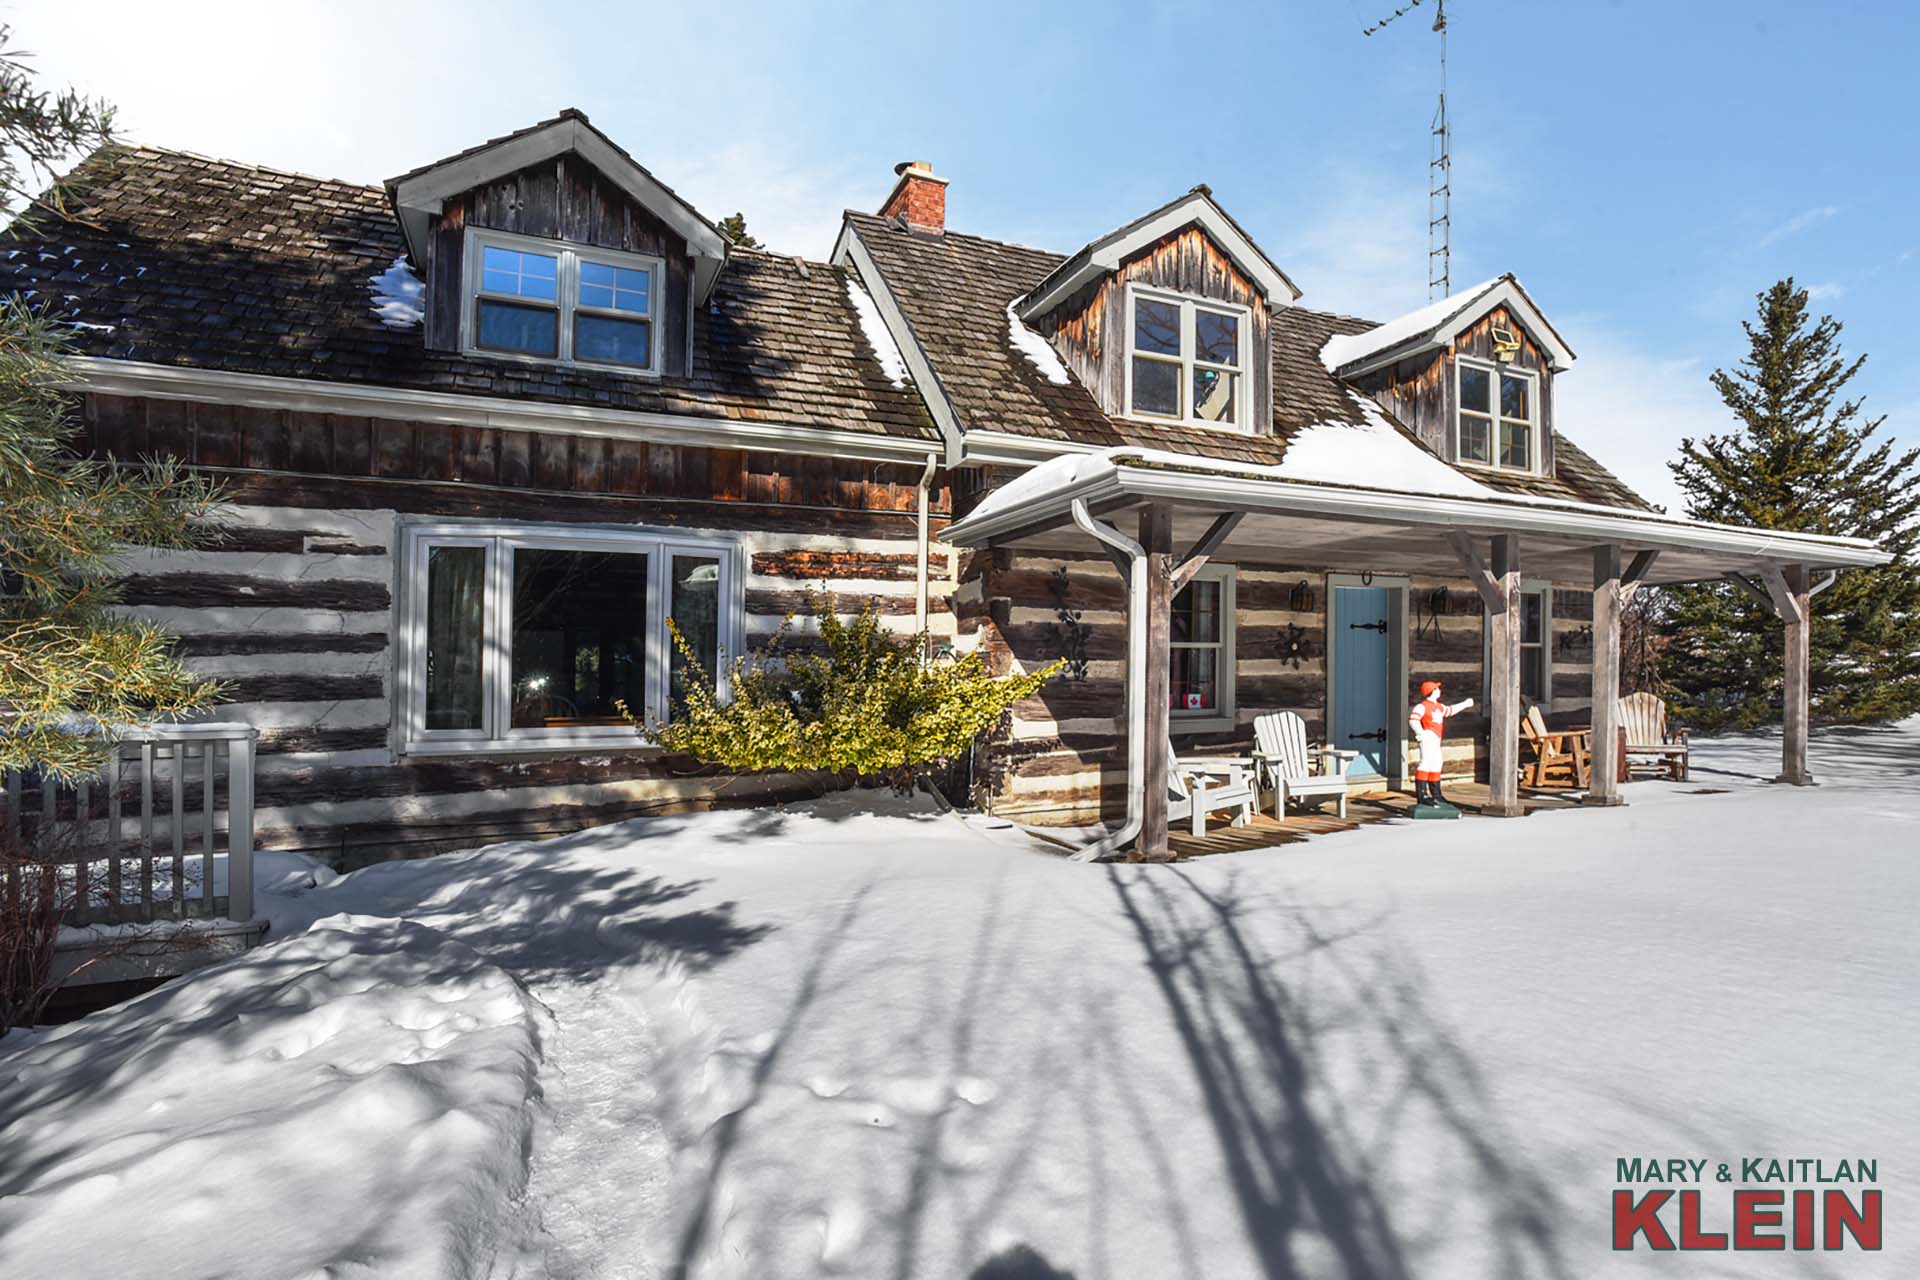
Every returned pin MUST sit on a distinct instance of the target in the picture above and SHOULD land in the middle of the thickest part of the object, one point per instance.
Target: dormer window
(1187, 359)
(1499, 414)
(543, 300)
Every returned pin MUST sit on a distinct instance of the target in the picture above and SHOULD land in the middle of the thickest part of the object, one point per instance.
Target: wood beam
(1217, 533)
(1156, 538)
(1794, 603)
(1477, 572)
(1503, 679)
(1608, 580)
(1755, 590)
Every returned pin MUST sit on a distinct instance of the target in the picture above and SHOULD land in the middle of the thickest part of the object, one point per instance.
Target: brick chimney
(919, 197)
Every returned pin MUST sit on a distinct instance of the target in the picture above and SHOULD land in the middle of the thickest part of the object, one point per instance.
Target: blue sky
(1644, 167)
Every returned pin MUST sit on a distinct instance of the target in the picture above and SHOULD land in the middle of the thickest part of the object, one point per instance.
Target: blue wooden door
(1362, 677)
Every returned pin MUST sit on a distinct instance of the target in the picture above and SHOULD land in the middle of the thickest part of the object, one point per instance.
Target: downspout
(920, 572)
(1136, 557)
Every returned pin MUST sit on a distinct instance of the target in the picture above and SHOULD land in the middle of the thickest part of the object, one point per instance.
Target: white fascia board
(418, 197)
(1507, 293)
(1567, 523)
(850, 251)
(1005, 448)
(170, 382)
(1195, 208)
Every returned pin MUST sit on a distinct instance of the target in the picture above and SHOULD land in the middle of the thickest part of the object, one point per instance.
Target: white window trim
(566, 304)
(1242, 417)
(496, 734)
(1222, 715)
(1543, 589)
(1535, 446)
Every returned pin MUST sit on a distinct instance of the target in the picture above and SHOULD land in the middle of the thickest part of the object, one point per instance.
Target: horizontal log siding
(315, 675)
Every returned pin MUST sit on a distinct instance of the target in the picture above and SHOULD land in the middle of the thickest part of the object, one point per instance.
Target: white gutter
(920, 597)
(1136, 680)
(172, 382)
(1574, 522)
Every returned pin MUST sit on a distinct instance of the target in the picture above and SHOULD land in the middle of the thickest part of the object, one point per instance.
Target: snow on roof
(399, 296)
(1036, 349)
(878, 336)
(1345, 349)
(1370, 454)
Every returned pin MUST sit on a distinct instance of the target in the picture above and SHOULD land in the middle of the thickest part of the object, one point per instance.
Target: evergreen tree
(1803, 458)
(734, 228)
(69, 668)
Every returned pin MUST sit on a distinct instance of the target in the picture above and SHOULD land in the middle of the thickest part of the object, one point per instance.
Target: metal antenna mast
(1439, 163)
(1440, 180)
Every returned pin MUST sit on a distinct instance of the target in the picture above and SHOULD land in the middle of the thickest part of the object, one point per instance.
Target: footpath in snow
(861, 1038)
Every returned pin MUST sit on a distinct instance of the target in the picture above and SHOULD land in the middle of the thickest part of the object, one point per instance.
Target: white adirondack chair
(1644, 716)
(1200, 785)
(1285, 763)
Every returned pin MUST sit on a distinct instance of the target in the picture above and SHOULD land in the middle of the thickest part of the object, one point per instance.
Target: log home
(484, 429)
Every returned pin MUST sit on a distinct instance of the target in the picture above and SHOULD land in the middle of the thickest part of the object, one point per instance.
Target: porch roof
(1338, 526)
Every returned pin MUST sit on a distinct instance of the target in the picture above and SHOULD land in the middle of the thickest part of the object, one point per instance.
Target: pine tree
(734, 228)
(69, 668)
(1803, 458)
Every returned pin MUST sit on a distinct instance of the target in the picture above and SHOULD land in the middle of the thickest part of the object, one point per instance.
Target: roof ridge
(963, 235)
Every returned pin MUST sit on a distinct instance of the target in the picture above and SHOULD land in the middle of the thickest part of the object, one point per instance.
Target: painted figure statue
(1428, 722)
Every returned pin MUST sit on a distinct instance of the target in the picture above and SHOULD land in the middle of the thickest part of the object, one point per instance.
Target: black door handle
(1378, 735)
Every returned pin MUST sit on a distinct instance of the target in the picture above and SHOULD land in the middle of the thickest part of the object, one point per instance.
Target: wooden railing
(149, 836)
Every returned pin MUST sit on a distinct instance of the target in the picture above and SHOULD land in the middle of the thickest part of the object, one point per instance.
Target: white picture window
(1499, 416)
(1200, 647)
(1186, 359)
(531, 636)
(543, 300)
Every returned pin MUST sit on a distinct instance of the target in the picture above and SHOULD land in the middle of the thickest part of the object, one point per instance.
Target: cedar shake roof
(209, 264)
(954, 290)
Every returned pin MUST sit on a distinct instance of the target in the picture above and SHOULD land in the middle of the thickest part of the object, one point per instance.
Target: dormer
(1472, 375)
(554, 246)
(1167, 320)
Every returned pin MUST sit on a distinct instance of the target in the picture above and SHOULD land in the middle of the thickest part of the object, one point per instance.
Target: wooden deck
(1305, 822)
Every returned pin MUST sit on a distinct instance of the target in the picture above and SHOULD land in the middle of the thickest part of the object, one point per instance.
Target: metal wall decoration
(1070, 631)
(1296, 645)
(1581, 637)
(1300, 600)
(1426, 620)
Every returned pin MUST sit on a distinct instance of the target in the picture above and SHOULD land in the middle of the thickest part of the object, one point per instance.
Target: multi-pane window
(1534, 673)
(562, 302)
(1496, 416)
(519, 636)
(1200, 646)
(1186, 360)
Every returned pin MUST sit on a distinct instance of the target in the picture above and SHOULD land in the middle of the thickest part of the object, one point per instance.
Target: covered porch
(1159, 519)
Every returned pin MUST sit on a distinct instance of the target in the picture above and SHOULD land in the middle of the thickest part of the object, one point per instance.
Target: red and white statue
(1428, 721)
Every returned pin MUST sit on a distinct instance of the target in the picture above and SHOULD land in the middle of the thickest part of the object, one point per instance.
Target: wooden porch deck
(1362, 808)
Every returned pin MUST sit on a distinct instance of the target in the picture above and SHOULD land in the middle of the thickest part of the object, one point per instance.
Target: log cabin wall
(562, 199)
(293, 606)
(1090, 330)
(1422, 391)
(1061, 759)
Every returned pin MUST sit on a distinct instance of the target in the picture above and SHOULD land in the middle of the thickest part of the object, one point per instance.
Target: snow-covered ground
(876, 1041)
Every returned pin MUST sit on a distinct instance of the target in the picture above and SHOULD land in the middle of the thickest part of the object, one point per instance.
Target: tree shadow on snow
(1311, 1162)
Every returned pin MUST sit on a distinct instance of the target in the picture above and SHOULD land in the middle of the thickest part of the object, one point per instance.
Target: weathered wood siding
(292, 606)
(1422, 392)
(1090, 329)
(562, 199)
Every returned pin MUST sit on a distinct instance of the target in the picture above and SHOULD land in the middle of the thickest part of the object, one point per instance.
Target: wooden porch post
(1604, 788)
(1156, 537)
(1796, 611)
(1503, 679)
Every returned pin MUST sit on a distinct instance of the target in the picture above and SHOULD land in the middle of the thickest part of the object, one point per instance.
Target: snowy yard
(835, 1041)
